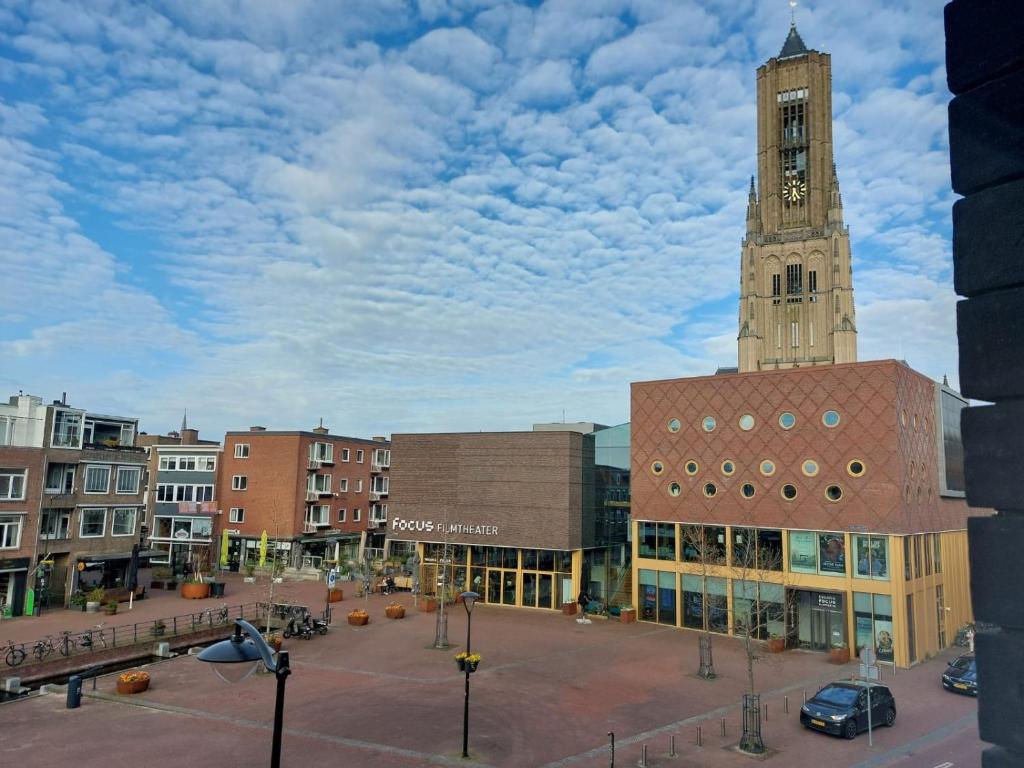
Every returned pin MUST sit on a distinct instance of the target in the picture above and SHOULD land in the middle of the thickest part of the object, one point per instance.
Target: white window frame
(380, 483)
(63, 477)
(322, 452)
(360, 455)
(172, 493)
(359, 485)
(382, 457)
(134, 511)
(6, 430)
(357, 515)
(10, 475)
(241, 450)
(58, 515)
(85, 479)
(80, 427)
(343, 485)
(345, 454)
(341, 515)
(317, 517)
(6, 521)
(236, 515)
(127, 470)
(239, 482)
(320, 483)
(81, 523)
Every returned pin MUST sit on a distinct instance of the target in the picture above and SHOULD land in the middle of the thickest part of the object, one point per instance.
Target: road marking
(947, 764)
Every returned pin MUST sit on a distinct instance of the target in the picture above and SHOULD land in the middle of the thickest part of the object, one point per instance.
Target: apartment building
(72, 499)
(320, 498)
(181, 499)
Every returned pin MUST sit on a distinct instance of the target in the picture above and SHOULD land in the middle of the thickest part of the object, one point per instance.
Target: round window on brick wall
(833, 493)
(788, 491)
(708, 424)
(809, 467)
(673, 425)
(748, 490)
(674, 489)
(767, 468)
(691, 467)
(746, 422)
(855, 468)
(830, 418)
(728, 467)
(710, 489)
(787, 420)
(657, 467)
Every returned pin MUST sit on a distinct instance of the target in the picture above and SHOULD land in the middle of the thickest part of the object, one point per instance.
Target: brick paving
(547, 692)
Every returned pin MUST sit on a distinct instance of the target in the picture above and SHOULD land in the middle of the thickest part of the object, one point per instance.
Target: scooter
(300, 629)
(320, 626)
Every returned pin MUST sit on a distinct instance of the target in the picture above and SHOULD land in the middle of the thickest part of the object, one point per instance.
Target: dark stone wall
(985, 71)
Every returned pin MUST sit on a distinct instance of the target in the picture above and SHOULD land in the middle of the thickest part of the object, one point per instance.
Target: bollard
(805, 697)
(611, 735)
(785, 704)
(700, 741)
(74, 700)
(672, 744)
(766, 712)
(643, 756)
(723, 726)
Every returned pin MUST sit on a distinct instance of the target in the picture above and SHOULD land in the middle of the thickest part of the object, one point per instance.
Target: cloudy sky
(435, 215)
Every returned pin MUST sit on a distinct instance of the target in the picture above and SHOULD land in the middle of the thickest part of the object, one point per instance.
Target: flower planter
(335, 596)
(776, 644)
(627, 615)
(110, 610)
(92, 607)
(569, 609)
(126, 688)
(428, 604)
(274, 641)
(839, 655)
(394, 611)
(358, 619)
(249, 579)
(194, 591)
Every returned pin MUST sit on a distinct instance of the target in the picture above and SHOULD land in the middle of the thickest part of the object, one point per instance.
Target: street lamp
(237, 657)
(468, 599)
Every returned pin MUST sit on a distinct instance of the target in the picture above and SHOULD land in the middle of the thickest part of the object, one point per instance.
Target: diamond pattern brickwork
(898, 493)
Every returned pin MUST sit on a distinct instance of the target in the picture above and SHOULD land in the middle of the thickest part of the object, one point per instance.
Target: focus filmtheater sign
(399, 524)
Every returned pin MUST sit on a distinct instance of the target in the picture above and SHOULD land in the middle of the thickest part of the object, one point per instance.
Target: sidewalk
(547, 692)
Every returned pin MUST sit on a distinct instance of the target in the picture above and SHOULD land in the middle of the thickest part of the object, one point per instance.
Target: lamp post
(468, 599)
(247, 652)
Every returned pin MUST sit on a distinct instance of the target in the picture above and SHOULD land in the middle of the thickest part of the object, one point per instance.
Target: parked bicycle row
(99, 637)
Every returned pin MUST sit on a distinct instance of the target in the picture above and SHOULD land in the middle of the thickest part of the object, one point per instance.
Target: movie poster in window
(802, 554)
(883, 640)
(832, 553)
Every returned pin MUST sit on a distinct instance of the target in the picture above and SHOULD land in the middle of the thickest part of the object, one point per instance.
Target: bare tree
(754, 618)
(700, 550)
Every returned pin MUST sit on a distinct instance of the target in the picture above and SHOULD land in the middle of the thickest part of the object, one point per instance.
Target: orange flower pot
(137, 686)
(627, 616)
(335, 596)
(569, 609)
(195, 591)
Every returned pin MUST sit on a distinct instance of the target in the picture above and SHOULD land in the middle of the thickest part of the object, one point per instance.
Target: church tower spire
(796, 280)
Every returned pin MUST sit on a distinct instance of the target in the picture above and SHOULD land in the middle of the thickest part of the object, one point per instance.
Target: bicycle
(43, 648)
(15, 654)
(964, 634)
(89, 640)
(67, 644)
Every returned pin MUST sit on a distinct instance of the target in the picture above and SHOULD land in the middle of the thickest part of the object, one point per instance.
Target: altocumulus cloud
(438, 215)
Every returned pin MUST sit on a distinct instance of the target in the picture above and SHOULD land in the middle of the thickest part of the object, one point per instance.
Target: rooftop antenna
(792, 12)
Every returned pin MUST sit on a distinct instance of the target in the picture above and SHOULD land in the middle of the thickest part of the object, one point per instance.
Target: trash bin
(74, 692)
(217, 589)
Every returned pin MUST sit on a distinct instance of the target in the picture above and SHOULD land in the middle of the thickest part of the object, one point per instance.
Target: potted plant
(627, 614)
(135, 681)
(428, 603)
(110, 607)
(78, 599)
(394, 610)
(468, 661)
(358, 617)
(274, 640)
(839, 653)
(569, 609)
(335, 595)
(195, 588)
(94, 598)
(158, 628)
(776, 643)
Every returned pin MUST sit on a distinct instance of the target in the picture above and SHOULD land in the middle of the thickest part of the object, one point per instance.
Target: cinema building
(523, 518)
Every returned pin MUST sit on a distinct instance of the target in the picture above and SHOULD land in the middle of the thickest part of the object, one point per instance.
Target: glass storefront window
(693, 601)
(873, 617)
(937, 542)
(714, 541)
(742, 553)
(529, 560)
(666, 541)
(666, 598)
(545, 560)
(773, 608)
(648, 592)
(872, 557)
(717, 605)
(744, 607)
(648, 539)
(202, 527)
(509, 557)
(769, 549)
(478, 555)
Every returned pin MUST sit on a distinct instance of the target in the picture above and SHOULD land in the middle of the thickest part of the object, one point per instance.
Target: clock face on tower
(794, 190)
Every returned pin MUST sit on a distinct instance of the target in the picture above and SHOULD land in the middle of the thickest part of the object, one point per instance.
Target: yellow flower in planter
(461, 656)
(133, 677)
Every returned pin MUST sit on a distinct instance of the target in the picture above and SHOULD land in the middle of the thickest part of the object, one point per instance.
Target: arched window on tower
(776, 288)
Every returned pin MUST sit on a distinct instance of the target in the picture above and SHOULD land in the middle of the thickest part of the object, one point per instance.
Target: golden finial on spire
(792, 12)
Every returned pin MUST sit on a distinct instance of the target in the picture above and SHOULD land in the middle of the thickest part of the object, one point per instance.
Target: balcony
(377, 467)
(325, 492)
(314, 465)
(374, 495)
(312, 496)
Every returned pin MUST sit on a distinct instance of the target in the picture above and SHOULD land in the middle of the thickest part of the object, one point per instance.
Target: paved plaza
(547, 693)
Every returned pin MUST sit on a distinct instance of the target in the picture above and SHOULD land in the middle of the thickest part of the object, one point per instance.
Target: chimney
(321, 429)
(379, 439)
(257, 429)
(190, 437)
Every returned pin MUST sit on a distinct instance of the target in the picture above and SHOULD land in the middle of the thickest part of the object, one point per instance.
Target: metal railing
(100, 637)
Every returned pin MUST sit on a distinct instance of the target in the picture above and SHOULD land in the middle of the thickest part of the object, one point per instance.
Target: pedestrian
(583, 600)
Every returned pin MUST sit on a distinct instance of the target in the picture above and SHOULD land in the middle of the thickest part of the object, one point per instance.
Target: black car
(842, 708)
(961, 676)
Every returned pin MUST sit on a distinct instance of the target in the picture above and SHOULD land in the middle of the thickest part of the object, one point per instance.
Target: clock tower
(796, 275)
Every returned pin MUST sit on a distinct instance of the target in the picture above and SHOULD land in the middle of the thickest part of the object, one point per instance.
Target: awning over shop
(333, 539)
(91, 557)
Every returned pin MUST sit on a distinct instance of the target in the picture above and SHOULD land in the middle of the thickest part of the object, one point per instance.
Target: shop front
(13, 582)
(817, 620)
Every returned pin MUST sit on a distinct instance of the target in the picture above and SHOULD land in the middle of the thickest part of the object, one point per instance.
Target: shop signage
(831, 602)
(431, 526)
